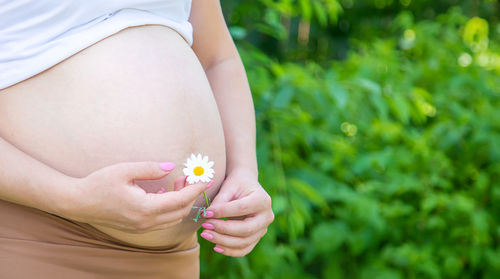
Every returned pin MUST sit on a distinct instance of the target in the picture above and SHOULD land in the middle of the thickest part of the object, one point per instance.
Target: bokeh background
(378, 137)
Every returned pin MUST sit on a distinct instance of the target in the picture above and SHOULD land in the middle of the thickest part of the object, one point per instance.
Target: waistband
(37, 244)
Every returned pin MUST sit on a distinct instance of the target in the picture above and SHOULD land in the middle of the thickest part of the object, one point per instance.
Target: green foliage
(385, 164)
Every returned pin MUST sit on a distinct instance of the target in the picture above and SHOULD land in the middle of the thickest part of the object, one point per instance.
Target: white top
(37, 34)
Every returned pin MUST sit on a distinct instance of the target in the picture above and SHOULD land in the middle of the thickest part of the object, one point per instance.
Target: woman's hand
(110, 197)
(240, 196)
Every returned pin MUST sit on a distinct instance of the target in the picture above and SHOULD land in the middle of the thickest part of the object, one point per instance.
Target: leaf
(307, 191)
(306, 9)
(338, 93)
(237, 32)
(329, 236)
(283, 98)
(320, 11)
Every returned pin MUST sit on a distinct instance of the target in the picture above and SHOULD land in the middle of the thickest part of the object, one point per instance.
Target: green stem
(206, 199)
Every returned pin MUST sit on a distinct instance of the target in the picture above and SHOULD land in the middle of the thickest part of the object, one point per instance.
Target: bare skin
(241, 195)
(127, 99)
(84, 115)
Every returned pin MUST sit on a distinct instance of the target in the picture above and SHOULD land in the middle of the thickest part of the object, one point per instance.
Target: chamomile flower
(198, 169)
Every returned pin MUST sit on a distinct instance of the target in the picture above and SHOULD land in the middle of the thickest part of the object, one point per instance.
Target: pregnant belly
(138, 95)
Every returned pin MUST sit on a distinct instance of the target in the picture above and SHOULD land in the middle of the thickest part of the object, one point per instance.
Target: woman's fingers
(186, 196)
(240, 207)
(162, 210)
(173, 216)
(179, 183)
(236, 237)
(116, 202)
(173, 200)
(161, 191)
(234, 252)
(241, 228)
(230, 241)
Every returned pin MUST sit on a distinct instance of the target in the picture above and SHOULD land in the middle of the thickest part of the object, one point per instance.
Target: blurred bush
(378, 138)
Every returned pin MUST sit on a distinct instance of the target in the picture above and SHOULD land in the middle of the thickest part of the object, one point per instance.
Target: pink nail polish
(185, 179)
(162, 190)
(167, 166)
(208, 214)
(218, 250)
(206, 235)
(210, 184)
(208, 226)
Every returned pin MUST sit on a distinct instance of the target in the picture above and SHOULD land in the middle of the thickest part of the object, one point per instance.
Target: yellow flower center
(198, 171)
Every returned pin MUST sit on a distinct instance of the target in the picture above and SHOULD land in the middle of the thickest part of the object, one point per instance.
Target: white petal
(205, 159)
(210, 175)
(186, 171)
(190, 180)
(199, 157)
(193, 157)
(210, 164)
(204, 179)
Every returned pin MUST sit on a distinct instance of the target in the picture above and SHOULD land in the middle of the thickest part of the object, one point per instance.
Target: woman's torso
(140, 94)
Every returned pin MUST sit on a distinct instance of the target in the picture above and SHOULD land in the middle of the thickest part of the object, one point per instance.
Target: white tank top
(37, 34)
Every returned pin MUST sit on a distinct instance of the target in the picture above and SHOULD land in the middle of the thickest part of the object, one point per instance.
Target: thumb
(177, 199)
(179, 183)
(143, 170)
(220, 201)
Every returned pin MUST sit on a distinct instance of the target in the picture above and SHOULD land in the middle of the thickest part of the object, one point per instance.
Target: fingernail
(207, 226)
(218, 250)
(162, 190)
(206, 235)
(210, 184)
(167, 166)
(185, 179)
(208, 214)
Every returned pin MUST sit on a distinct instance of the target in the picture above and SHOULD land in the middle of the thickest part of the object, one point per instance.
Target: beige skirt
(36, 244)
